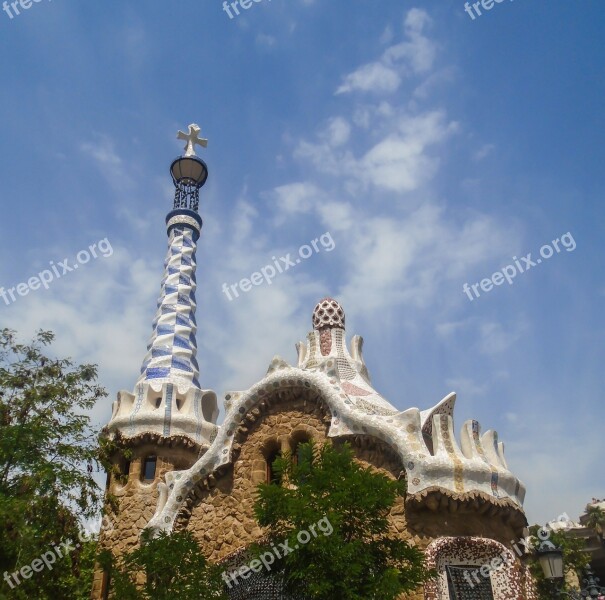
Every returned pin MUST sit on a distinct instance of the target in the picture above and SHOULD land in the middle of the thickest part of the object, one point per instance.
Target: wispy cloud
(415, 55)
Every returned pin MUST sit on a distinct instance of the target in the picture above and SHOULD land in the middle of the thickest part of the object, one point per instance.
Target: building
(594, 543)
(463, 506)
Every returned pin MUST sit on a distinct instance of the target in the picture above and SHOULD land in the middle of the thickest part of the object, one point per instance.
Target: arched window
(297, 439)
(472, 568)
(297, 453)
(149, 468)
(123, 470)
(272, 475)
(106, 585)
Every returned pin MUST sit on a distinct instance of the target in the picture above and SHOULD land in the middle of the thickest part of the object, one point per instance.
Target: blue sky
(434, 148)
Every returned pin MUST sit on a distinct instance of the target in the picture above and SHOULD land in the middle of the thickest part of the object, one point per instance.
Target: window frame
(468, 594)
(152, 458)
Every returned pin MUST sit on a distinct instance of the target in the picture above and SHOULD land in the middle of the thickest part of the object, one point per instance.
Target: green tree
(358, 556)
(595, 518)
(162, 568)
(575, 559)
(47, 453)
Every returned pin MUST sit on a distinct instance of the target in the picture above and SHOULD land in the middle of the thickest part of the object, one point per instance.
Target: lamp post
(189, 172)
(551, 561)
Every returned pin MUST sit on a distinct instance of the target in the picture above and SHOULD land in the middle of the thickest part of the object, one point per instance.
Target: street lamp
(551, 561)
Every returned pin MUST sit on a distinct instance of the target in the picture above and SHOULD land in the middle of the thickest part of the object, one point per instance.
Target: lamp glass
(189, 169)
(552, 564)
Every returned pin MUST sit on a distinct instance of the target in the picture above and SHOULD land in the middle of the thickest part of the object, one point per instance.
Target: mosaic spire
(167, 401)
(172, 349)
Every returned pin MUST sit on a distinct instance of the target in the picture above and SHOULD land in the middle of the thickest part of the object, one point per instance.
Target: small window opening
(149, 467)
(298, 454)
(123, 470)
(272, 475)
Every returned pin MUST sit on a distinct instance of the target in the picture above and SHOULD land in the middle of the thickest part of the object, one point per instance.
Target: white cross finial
(192, 138)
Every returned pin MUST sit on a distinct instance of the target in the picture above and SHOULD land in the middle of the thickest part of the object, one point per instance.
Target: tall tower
(169, 421)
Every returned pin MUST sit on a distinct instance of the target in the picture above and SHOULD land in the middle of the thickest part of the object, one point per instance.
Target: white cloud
(295, 198)
(263, 39)
(448, 329)
(416, 20)
(496, 338)
(97, 317)
(484, 151)
(408, 260)
(413, 56)
(387, 35)
(399, 162)
(338, 132)
(373, 77)
(542, 447)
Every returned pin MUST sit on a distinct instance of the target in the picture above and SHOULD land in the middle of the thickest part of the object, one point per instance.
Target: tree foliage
(47, 453)
(595, 518)
(162, 568)
(575, 559)
(362, 558)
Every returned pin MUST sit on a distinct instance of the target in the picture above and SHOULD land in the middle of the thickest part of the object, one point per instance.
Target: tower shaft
(172, 349)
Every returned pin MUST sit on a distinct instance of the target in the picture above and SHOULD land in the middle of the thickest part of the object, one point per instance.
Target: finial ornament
(328, 313)
(192, 138)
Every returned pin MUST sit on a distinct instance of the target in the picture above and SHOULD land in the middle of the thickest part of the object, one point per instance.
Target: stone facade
(222, 516)
(131, 500)
(219, 509)
(463, 503)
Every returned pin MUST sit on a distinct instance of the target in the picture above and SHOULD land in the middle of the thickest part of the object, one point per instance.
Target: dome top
(328, 314)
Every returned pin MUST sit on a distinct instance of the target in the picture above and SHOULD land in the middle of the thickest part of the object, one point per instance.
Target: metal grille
(468, 587)
(187, 195)
(259, 586)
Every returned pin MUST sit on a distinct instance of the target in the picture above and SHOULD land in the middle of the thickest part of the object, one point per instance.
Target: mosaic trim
(472, 431)
(345, 368)
(140, 398)
(444, 422)
(197, 402)
(353, 390)
(445, 407)
(153, 413)
(401, 431)
(311, 361)
(184, 220)
(511, 581)
(168, 410)
(325, 342)
(371, 409)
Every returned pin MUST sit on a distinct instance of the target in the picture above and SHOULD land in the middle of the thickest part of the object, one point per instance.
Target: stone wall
(135, 500)
(222, 518)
